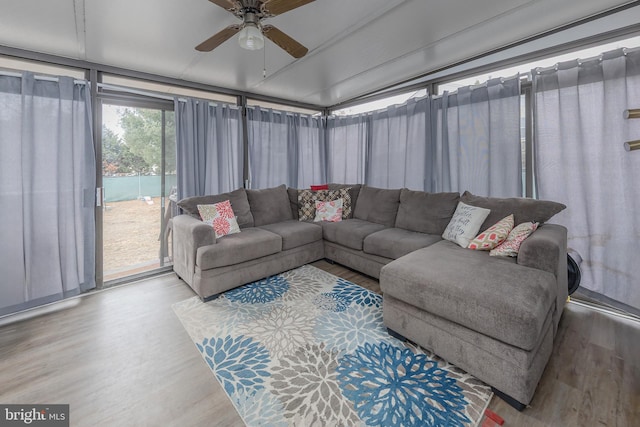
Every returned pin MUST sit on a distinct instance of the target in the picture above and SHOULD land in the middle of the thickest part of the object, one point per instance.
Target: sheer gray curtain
(475, 140)
(398, 146)
(209, 147)
(580, 161)
(47, 190)
(285, 148)
(346, 148)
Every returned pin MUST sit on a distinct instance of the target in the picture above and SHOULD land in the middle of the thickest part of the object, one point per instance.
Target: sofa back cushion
(239, 204)
(354, 191)
(270, 205)
(426, 212)
(523, 209)
(377, 205)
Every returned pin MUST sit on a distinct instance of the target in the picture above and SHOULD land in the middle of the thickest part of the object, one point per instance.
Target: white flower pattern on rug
(281, 329)
(306, 348)
(260, 407)
(351, 328)
(217, 316)
(330, 302)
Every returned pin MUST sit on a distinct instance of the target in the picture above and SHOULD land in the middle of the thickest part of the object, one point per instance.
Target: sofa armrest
(546, 249)
(189, 234)
(543, 248)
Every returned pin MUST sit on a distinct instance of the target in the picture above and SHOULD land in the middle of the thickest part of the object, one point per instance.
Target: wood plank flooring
(120, 357)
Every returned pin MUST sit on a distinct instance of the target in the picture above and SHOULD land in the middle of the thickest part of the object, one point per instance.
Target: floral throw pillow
(465, 224)
(307, 202)
(493, 236)
(511, 246)
(221, 217)
(328, 211)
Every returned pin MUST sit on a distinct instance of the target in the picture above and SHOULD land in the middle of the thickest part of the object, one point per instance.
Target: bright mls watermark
(34, 415)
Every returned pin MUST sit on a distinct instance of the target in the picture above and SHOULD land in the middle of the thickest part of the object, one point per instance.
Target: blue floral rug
(306, 348)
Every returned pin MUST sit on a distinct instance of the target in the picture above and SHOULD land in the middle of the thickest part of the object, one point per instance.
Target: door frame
(105, 96)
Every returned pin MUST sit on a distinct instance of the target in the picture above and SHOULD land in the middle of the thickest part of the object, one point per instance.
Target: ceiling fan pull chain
(264, 62)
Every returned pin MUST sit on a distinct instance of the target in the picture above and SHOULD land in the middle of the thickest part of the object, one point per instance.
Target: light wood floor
(120, 357)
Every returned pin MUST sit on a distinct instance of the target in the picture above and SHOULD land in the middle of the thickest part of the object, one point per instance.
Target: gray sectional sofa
(495, 317)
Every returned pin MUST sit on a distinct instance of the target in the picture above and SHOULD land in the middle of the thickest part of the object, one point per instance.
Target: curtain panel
(475, 140)
(346, 148)
(580, 161)
(47, 188)
(397, 149)
(285, 148)
(209, 147)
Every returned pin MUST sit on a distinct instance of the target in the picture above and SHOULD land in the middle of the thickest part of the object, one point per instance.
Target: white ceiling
(355, 46)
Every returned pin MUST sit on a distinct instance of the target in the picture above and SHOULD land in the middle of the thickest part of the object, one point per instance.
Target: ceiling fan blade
(218, 38)
(229, 5)
(278, 7)
(292, 47)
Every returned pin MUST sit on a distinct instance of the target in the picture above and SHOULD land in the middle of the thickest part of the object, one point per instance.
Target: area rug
(306, 348)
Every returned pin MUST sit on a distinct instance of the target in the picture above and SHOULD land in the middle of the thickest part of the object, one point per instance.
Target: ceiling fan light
(251, 37)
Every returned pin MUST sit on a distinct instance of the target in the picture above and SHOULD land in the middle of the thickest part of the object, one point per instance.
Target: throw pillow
(354, 190)
(307, 202)
(493, 236)
(511, 246)
(238, 199)
(220, 216)
(328, 211)
(465, 224)
(319, 187)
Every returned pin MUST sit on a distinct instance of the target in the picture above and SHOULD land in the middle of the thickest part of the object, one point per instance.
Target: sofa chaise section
(495, 317)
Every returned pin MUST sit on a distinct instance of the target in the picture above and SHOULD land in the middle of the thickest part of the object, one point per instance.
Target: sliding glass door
(138, 182)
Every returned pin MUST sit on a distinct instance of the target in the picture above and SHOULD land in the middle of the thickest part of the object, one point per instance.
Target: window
(282, 107)
(167, 91)
(380, 103)
(544, 62)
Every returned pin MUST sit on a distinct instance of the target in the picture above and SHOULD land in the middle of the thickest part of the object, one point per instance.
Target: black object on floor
(519, 406)
(574, 274)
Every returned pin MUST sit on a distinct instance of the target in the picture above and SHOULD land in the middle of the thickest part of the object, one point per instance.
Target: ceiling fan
(252, 12)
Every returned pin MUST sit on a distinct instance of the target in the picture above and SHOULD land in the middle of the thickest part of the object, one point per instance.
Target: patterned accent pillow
(328, 211)
(307, 202)
(465, 224)
(511, 246)
(493, 236)
(220, 216)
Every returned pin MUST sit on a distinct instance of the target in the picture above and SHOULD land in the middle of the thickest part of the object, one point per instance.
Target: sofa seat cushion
(295, 233)
(350, 232)
(490, 295)
(233, 249)
(396, 242)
